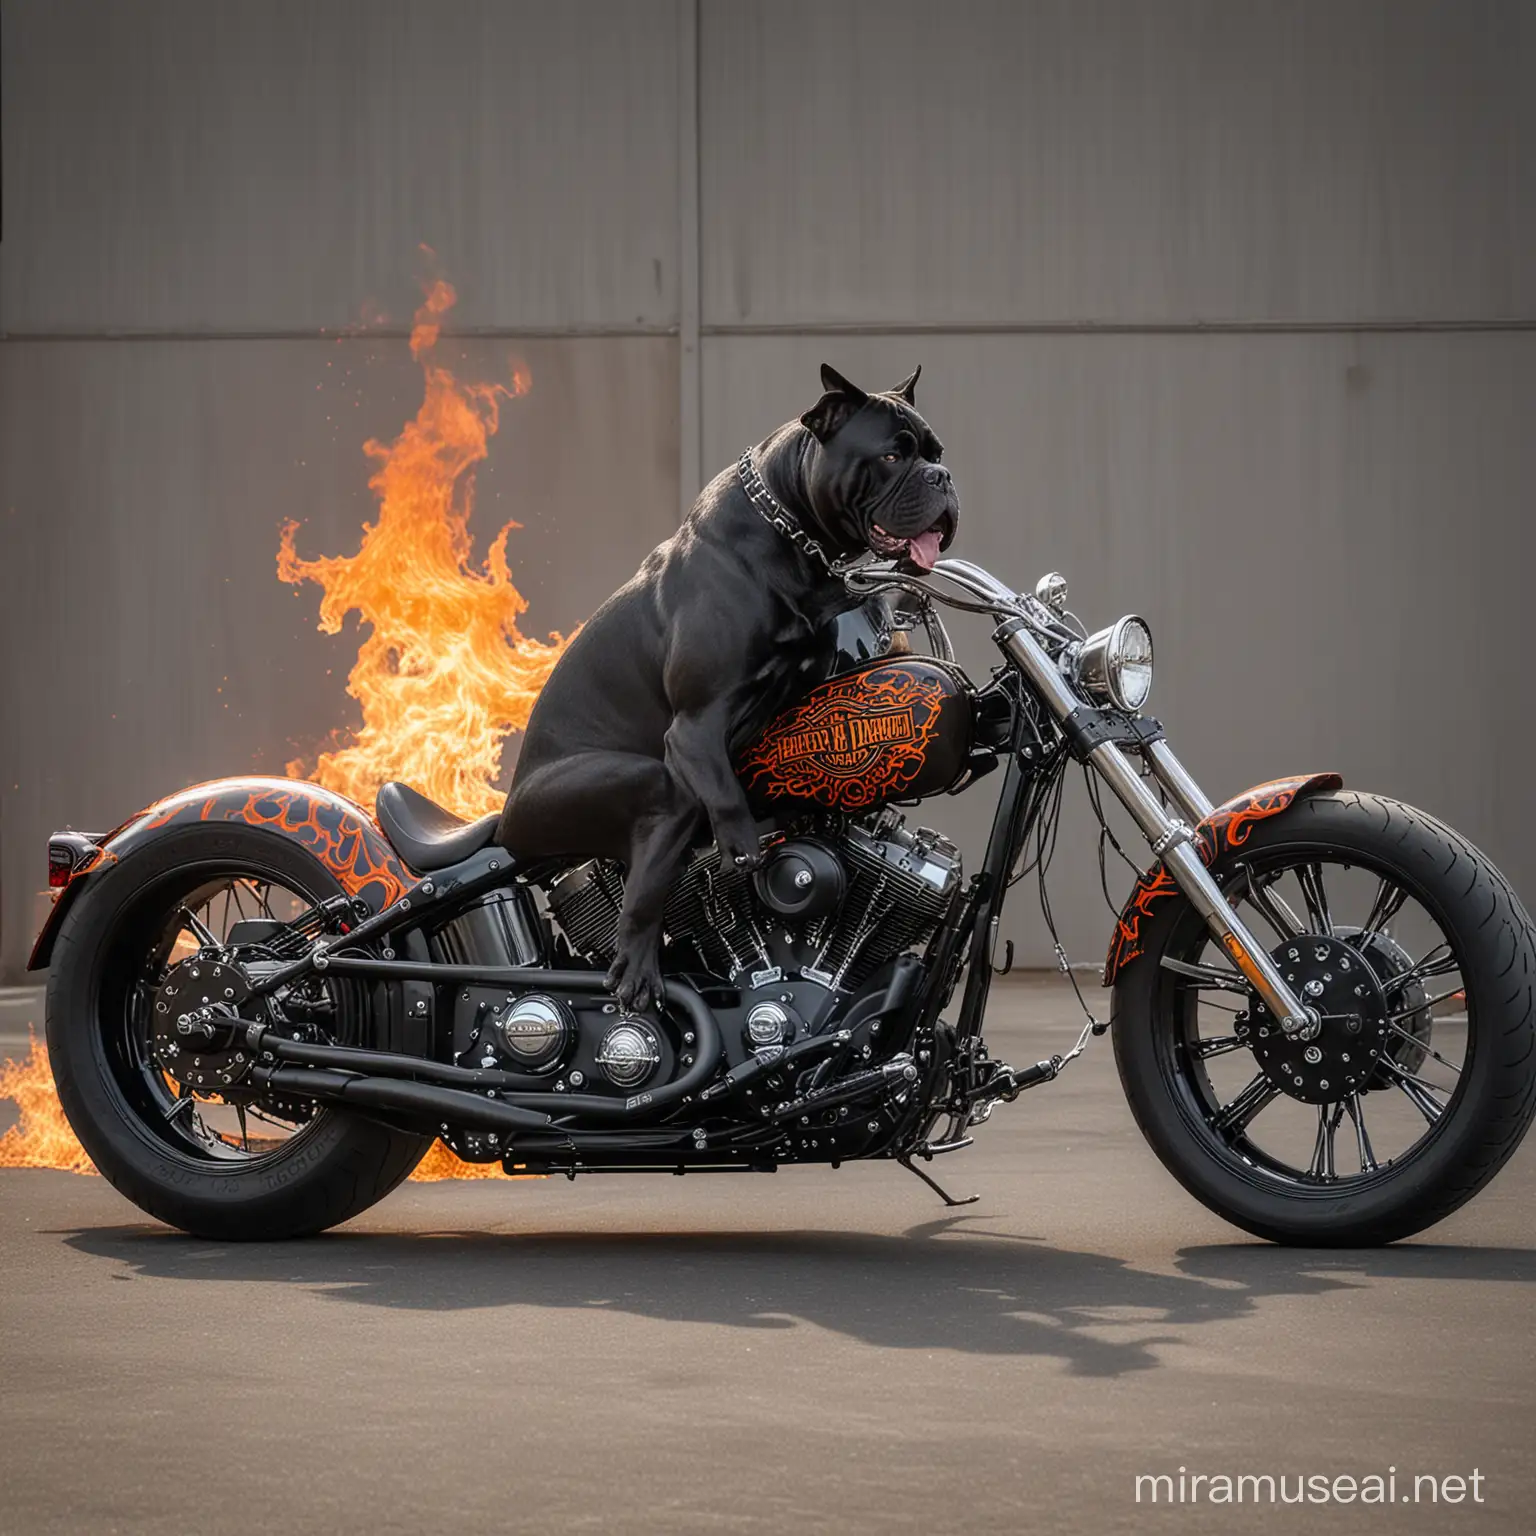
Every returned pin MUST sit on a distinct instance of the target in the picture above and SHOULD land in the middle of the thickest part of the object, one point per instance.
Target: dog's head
(873, 479)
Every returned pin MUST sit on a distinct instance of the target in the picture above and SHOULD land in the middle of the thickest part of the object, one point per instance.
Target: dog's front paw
(635, 978)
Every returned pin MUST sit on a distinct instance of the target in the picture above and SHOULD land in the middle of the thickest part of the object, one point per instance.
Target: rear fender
(1227, 828)
(338, 832)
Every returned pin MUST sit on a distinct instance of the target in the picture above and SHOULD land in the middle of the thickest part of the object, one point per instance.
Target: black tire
(1495, 1094)
(337, 1168)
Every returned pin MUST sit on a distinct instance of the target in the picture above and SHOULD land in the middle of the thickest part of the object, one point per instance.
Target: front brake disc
(1343, 1057)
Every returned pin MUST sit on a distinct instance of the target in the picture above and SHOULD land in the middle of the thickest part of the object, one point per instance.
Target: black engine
(798, 941)
(815, 939)
(834, 909)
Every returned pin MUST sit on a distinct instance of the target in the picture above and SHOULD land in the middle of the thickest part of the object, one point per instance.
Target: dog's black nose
(936, 475)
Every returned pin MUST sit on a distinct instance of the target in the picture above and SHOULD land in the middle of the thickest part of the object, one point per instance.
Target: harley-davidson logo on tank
(864, 738)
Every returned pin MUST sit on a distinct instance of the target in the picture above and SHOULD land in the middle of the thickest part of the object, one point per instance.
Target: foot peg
(1007, 1085)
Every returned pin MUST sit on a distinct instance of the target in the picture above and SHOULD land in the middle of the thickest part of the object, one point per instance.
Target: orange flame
(443, 678)
(41, 1137)
(441, 1163)
(445, 675)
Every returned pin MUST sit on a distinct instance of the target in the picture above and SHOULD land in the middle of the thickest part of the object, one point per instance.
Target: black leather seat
(426, 835)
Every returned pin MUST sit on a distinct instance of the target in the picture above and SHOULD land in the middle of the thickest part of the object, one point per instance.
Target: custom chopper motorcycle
(264, 1004)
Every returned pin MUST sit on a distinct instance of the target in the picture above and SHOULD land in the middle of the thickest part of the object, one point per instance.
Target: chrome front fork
(1187, 795)
(1172, 839)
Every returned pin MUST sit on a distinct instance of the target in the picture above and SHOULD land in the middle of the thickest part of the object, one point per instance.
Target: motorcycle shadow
(941, 1285)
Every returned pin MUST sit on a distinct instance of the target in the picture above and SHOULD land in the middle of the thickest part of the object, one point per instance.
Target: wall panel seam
(690, 428)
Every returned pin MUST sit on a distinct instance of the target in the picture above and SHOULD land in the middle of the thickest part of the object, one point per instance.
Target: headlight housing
(1115, 665)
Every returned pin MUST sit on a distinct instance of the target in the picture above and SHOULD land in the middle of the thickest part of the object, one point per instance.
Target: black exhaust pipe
(515, 1088)
(420, 1100)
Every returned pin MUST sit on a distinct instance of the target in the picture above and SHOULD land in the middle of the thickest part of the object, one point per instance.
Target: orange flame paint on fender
(338, 832)
(1227, 827)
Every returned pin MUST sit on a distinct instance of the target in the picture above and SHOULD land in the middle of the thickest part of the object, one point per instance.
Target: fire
(445, 675)
(41, 1137)
(440, 1164)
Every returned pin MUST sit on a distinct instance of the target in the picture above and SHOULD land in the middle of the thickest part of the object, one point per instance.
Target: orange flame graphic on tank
(445, 674)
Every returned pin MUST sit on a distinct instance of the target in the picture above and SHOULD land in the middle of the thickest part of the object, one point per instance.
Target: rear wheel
(1420, 1080)
(178, 1131)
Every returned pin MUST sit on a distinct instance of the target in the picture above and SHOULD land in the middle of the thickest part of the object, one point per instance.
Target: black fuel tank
(859, 635)
(895, 729)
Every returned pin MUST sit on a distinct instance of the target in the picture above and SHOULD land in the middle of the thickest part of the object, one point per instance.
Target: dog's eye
(890, 458)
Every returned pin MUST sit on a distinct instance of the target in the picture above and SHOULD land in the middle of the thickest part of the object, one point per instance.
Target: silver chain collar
(772, 511)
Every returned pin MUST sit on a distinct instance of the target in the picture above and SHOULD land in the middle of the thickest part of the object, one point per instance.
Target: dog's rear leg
(660, 844)
(614, 805)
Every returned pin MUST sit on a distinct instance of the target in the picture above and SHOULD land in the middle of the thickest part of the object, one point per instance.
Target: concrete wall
(1229, 312)
(1126, 162)
(210, 259)
(267, 166)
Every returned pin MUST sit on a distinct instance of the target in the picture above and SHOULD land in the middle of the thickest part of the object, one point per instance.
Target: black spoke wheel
(185, 1088)
(164, 1109)
(1419, 1078)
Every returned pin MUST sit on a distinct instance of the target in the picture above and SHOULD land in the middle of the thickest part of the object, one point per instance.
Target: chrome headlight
(1115, 665)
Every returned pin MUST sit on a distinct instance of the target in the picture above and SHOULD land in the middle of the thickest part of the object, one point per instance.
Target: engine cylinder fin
(713, 909)
(586, 902)
(898, 885)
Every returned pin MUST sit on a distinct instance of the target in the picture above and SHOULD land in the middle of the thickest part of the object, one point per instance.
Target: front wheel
(1421, 1078)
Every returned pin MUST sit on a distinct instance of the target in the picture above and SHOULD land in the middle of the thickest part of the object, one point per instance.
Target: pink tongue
(923, 548)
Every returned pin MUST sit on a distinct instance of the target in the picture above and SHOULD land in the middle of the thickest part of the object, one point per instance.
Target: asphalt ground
(811, 1350)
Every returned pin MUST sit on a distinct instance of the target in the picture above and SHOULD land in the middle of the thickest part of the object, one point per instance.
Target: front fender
(338, 832)
(1226, 828)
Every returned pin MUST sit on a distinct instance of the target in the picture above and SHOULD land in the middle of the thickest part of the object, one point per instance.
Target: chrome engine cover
(629, 1053)
(536, 1032)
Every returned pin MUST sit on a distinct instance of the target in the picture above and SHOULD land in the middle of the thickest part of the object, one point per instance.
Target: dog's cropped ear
(907, 389)
(841, 400)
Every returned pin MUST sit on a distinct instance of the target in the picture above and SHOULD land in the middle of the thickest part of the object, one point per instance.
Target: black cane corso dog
(629, 750)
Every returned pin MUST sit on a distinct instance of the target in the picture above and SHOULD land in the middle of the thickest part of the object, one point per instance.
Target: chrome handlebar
(994, 597)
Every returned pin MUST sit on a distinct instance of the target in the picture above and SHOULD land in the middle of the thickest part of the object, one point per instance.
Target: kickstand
(935, 1186)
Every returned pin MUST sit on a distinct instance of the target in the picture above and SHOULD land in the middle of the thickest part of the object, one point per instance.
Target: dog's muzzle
(919, 549)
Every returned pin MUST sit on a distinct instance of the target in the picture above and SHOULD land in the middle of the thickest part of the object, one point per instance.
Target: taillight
(68, 852)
